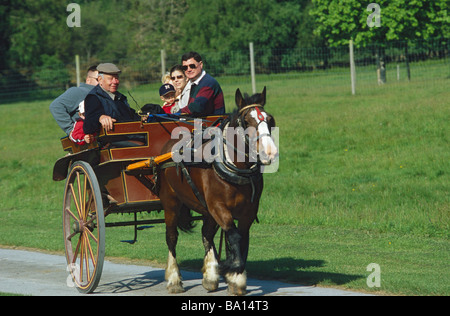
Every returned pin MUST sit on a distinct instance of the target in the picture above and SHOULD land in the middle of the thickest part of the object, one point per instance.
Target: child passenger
(77, 135)
(167, 94)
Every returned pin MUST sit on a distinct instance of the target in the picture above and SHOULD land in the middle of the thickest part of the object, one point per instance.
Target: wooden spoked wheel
(83, 227)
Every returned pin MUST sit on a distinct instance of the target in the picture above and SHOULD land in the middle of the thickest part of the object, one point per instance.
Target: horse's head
(259, 125)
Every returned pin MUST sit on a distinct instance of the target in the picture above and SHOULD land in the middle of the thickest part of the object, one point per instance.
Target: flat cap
(109, 69)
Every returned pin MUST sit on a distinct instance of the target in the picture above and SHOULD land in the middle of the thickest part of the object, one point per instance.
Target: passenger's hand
(107, 122)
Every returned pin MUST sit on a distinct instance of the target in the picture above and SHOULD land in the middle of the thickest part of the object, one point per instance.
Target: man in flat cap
(104, 105)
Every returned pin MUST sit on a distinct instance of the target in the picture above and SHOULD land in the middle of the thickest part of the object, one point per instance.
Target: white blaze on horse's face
(267, 149)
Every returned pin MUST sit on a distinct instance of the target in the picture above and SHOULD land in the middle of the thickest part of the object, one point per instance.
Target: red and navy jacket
(206, 98)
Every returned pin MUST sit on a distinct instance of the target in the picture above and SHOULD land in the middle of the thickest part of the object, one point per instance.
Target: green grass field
(362, 179)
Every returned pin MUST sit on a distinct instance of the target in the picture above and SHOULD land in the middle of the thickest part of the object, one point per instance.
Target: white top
(184, 97)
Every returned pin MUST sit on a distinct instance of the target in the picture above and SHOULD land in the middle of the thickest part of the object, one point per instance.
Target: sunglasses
(192, 66)
(177, 77)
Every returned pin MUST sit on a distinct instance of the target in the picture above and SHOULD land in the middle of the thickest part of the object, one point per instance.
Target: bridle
(241, 121)
(226, 169)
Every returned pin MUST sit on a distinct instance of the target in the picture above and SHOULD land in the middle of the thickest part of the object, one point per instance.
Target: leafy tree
(33, 27)
(52, 73)
(338, 21)
(5, 9)
(232, 24)
(341, 20)
(305, 28)
(156, 26)
(104, 33)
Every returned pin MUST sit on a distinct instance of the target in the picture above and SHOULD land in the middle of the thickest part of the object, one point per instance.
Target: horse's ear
(263, 97)
(240, 102)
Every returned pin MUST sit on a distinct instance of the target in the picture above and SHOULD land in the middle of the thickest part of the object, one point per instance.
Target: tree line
(112, 29)
(34, 33)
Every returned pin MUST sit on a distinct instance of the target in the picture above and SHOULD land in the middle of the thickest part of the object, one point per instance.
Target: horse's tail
(186, 220)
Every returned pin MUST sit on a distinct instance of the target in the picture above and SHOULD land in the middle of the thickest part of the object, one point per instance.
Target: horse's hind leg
(173, 275)
(210, 265)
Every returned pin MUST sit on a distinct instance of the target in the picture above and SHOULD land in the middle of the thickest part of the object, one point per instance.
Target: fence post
(77, 67)
(352, 68)
(163, 62)
(252, 67)
(408, 70)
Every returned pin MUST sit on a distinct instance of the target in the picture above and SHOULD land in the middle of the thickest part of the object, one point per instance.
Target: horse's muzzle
(269, 155)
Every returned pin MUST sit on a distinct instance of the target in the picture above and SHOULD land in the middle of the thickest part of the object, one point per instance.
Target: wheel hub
(78, 227)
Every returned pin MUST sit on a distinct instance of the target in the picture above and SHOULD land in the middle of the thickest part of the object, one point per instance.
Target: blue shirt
(65, 107)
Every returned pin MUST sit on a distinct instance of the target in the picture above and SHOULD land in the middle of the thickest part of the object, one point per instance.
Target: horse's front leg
(172, 275)
(234, 268)
(210, 264)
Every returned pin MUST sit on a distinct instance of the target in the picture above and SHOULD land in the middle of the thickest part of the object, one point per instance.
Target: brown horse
(223, 191)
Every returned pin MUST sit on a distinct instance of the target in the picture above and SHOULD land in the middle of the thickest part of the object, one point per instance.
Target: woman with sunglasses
(179, 80)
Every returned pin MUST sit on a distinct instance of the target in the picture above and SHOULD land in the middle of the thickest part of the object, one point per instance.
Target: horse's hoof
(210, 285)
(237, 283)
(175, 289)
(233, 289)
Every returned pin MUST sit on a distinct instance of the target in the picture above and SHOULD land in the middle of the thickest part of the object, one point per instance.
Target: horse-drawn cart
(126, 171)
(100, 182)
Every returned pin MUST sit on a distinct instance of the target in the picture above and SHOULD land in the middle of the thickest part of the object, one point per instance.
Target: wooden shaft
(149, 162)
(163, 158)
(139, 165)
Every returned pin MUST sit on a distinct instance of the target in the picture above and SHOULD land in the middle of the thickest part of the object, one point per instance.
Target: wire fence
(377, 64)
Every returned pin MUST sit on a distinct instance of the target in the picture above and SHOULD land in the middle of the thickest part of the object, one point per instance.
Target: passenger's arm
(93, 112)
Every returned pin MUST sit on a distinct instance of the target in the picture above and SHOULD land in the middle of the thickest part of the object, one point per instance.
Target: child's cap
(166, 88)
(81, 107)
